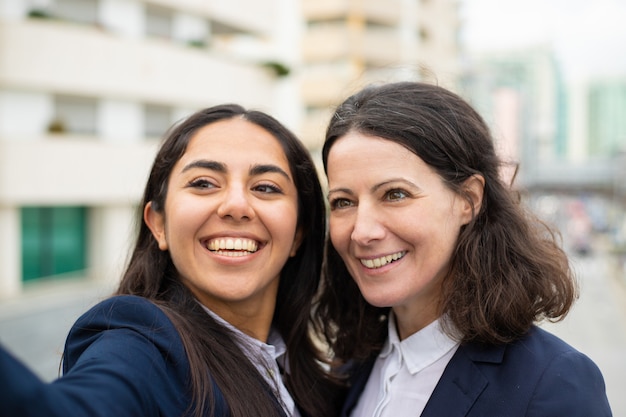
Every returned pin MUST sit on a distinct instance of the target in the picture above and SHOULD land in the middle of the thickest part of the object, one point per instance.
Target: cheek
(339, 233)
(183, 217)
(282, 220)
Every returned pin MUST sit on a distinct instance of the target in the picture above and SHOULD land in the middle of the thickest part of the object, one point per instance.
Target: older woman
(436, 275)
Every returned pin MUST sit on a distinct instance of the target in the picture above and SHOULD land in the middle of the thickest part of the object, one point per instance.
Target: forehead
(359, 158)
(235, 141)
(366, 149)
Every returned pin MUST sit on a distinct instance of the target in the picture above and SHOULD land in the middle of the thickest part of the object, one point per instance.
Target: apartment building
(349, 43)
(87, 88)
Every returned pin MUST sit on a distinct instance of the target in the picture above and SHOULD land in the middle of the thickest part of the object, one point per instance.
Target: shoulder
(555, 359)
(125, 312)
(130, 307)
(537, 357)
(126, 348)
(125, 318)
(548, 376)
(536, 346)
(568, 374)
(545, 347)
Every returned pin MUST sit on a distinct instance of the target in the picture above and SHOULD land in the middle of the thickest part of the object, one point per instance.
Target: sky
(588, 36)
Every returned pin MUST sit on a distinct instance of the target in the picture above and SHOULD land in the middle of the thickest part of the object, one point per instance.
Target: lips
(382, 261)
(231, 246)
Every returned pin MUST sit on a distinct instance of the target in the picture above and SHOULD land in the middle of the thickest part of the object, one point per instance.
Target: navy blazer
(537, 376)
(122, 358)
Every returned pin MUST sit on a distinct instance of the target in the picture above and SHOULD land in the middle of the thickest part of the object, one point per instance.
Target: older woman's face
(394, 223)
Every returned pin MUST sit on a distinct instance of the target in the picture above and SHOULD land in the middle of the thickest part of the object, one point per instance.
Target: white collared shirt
(265, 357)
(406, 372)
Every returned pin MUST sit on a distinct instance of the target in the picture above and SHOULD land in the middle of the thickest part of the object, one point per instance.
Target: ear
(297, 241)
(474, 188)
(155, 221)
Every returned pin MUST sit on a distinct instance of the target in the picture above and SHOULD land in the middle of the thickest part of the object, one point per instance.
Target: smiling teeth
(245, 245)
(382, 261)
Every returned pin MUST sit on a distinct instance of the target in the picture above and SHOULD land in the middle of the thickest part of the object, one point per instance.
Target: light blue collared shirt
(266, 357)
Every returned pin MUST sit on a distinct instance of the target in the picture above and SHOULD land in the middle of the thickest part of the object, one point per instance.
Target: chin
(377, 301)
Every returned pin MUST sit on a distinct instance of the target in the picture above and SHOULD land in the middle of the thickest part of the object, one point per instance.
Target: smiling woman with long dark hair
(212, 316)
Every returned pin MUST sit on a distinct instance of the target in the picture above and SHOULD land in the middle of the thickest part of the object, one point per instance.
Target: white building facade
(87, 88)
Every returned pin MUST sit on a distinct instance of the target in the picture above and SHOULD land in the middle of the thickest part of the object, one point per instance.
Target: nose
(236, 204)
(368, 226)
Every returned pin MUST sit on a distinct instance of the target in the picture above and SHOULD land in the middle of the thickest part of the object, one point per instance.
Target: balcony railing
(72, 59)
(386, 12)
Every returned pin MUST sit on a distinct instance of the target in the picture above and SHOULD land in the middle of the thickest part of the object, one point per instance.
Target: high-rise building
(607, 117)
(349, 43)
(521, 94)
(565, 136)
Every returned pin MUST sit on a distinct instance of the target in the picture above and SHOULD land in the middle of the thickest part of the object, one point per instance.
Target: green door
(54, 241)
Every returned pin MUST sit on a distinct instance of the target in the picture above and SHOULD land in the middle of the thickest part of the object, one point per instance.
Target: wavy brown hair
(508, 270)
(213, 353)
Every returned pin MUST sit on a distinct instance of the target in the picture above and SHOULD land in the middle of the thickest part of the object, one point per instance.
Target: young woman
(212, 315)
(436, 275)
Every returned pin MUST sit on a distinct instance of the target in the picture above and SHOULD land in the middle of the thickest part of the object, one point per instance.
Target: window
(81, 11)
(158, 120)
(54, 241)
(74, 115)
(158, 22)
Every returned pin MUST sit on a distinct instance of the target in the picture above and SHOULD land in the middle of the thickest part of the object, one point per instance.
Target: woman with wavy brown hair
(213, 314)
(436, 274)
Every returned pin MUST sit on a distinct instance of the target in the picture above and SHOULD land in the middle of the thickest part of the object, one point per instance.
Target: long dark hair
(213, 353)
(508, 270)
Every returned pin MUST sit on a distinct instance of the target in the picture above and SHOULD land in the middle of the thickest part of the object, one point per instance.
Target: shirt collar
(422, 348)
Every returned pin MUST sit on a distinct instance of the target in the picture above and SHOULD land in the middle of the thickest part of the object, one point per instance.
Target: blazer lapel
(462, 382)
(357, 385)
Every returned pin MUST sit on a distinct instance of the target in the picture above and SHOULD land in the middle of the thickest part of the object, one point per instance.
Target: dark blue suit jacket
(123, 358)
(537, 376)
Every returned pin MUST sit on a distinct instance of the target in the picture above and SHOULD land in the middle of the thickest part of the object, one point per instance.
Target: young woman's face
(230, 218)
(393, 221)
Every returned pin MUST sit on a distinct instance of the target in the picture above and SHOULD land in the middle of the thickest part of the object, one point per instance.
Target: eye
(268, 189)
(201, 183)
(340, 203)
(396, 195)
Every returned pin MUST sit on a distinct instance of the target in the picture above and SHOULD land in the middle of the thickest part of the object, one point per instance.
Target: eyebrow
(265, 168)
(222, 168)
(374, 188)
(339, 190)
(203, 163)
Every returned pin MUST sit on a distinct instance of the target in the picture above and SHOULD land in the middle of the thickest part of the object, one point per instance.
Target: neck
(253, 321)
(411, 320)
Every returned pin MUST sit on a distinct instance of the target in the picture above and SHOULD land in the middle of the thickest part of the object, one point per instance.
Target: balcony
(371, 45)
(384, 12)
(67, 58)
(73, 171)
(258, 18)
